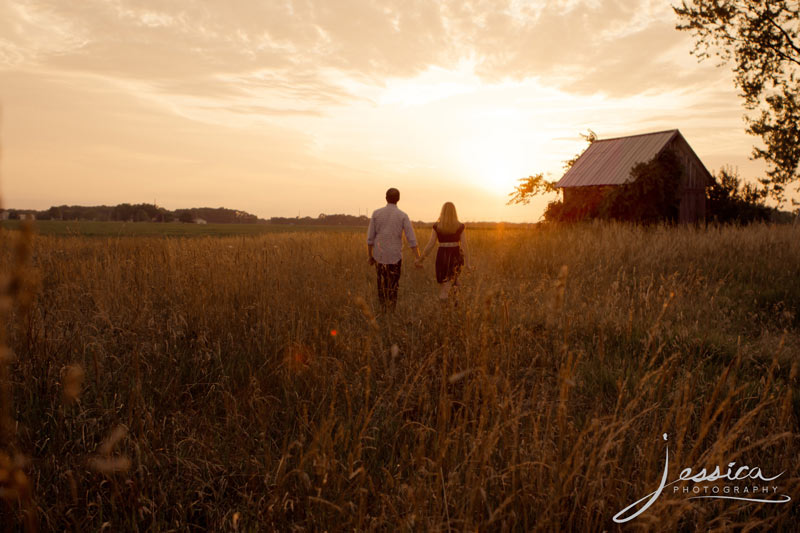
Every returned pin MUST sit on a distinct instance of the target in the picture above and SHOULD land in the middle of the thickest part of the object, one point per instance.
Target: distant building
(200, 221)
(608, 163)
(27, 216)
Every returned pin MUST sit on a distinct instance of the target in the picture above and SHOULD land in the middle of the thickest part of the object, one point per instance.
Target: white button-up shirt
(385, 234)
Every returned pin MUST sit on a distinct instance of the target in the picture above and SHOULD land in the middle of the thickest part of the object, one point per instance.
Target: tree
(55, 213)
(537, 184)
(761, 38)
(590, 137)
(530, 187)
(731, 201)
(651, 195)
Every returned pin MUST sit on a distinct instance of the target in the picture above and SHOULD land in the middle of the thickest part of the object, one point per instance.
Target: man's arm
(371, 232)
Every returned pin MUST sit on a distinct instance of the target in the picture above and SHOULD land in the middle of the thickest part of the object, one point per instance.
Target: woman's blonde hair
(448, 219)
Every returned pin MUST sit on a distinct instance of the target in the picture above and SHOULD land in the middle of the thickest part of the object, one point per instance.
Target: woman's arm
(464, 248)
(429, 246)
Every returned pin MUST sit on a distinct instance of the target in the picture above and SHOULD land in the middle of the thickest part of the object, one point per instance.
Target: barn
(608, 163)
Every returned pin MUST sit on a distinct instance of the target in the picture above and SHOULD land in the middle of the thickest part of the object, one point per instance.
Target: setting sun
(497, 158)
(254, 107)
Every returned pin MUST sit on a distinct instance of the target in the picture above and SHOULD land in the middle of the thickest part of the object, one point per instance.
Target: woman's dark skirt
(449, 261)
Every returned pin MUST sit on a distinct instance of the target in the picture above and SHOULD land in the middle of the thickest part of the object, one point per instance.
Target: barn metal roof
(609, 161)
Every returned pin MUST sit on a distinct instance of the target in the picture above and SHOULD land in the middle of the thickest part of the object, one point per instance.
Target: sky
(302, 107)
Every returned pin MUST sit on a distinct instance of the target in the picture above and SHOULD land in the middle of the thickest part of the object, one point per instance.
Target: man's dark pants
(388, 282)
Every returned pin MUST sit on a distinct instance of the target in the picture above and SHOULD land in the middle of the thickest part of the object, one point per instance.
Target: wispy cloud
(231, 50)
(426, 90)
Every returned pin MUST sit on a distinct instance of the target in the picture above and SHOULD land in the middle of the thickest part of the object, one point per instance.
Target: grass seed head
(117, 434)
(73, 381)
(109, 465)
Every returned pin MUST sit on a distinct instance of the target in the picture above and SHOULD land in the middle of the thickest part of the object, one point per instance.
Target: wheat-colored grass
(250, 383)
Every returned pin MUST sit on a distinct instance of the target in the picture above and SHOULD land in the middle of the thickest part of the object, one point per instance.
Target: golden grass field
(248, 384)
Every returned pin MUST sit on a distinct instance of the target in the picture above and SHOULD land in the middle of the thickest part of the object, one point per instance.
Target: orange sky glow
(302, 107)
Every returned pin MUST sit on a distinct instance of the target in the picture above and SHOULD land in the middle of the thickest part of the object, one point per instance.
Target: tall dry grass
(249, 383)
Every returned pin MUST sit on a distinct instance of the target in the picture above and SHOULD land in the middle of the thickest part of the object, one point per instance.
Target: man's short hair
(392, 195)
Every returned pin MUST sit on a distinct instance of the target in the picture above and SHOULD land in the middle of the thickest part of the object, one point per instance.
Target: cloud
(351, 87)
(288, 48)
(638, 63)
(272, 111)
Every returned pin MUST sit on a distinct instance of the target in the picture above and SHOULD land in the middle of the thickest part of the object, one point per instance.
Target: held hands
(371, 261)
(418, 262)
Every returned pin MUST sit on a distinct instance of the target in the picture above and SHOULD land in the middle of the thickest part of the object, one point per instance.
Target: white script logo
(749, 493)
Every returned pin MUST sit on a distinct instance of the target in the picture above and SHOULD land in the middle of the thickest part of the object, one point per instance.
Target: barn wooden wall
(693, 184)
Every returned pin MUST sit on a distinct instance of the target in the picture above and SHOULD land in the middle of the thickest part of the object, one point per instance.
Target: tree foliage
(186, 217)
(530, 187)
(732, 201)
(590, 137)
(323, 220)
(537, 184)
(140, 213)
(652, 194)
(583, 204)
(760, 38)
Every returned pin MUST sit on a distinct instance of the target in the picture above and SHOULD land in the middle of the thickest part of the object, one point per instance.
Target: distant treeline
(323, 220)
(138, 213)
(210, 215)
(363, 220)
(152, 213)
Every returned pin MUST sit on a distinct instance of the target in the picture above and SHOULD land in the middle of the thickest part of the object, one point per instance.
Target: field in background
(167, 229)
(251, 383)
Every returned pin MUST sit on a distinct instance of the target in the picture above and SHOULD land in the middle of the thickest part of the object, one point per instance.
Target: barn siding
(607, 163)
(693, 182)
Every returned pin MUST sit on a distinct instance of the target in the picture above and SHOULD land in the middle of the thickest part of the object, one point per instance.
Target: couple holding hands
(385, 245)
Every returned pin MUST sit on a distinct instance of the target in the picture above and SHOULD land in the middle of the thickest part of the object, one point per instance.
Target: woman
(452, 254)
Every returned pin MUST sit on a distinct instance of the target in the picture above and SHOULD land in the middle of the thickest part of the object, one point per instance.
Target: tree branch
(787, 38)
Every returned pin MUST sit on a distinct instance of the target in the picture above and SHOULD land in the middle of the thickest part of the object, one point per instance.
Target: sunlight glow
(280, 109)
(494, 159)
(430, 86)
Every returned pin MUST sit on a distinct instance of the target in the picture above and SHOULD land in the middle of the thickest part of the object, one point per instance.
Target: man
(385, 246)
